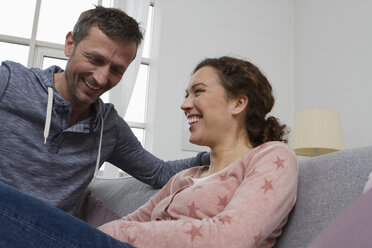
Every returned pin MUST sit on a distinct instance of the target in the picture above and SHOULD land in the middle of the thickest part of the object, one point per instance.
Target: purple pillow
(93, 211)
(351, 228)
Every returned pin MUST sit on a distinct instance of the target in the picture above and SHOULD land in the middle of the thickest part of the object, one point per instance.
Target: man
(55, 131)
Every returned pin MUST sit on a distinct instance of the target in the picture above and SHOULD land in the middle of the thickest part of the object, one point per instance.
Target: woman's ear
(69, 44)
(239, 104)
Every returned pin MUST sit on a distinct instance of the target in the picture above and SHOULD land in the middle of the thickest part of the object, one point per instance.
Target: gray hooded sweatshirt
(40, 154)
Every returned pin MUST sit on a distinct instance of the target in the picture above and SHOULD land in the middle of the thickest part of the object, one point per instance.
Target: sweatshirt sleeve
(253, 217)
(131, 157)
(4, 79)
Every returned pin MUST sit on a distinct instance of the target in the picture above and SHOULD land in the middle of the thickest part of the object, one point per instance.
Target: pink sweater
(244, 205)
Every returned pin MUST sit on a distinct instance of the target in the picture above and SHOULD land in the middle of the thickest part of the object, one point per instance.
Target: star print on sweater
(194, 231)
(245, 204)
(279, 162)
(226, 219)
(267, 186)
(222, 201)
(192, 208)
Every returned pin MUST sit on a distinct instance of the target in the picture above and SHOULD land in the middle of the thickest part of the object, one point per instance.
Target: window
(137, 108)
(136, 112)
(31, 39)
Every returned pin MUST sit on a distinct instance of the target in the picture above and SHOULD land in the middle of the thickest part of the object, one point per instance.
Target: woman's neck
(225, 154)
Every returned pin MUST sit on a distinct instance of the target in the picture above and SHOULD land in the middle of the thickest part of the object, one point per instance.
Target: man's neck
(78, 115)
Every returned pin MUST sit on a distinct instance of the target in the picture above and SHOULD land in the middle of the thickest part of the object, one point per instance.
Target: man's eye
(95, 61)
(197, 91)
(117, 71)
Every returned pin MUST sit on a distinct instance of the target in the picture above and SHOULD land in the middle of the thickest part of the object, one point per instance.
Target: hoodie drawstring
(48, 114)
(99, 151)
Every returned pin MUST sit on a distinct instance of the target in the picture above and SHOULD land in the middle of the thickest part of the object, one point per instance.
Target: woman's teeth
(193, 120)
(90, 86)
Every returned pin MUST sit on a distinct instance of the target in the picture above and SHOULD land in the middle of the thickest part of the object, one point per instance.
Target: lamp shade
(317, 132)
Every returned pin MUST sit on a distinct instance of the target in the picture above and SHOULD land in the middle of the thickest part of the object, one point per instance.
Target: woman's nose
(187, 104)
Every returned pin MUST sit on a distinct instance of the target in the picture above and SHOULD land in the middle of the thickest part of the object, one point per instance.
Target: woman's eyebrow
(197, 85)
(193, 88)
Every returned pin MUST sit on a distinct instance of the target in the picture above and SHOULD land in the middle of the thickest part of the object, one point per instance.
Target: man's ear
(239, 104)
(69, 44)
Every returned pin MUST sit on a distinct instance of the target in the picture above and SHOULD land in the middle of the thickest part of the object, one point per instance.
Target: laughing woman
(244, 197)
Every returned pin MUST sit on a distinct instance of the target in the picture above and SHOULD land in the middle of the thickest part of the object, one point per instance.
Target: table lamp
(316, 132)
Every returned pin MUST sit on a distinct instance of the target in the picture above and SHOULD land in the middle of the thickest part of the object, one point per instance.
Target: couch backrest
(327, 184)
(122, 195)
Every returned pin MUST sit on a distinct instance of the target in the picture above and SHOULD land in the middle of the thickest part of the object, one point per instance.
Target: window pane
(107, 3)
(57, 18)
(136, 108)
(48, 61)
(17, 53)
(147, 39)
(139, 132)
(105, 97)
(16, 17)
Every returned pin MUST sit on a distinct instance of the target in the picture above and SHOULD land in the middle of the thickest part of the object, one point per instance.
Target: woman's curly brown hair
(240, 77)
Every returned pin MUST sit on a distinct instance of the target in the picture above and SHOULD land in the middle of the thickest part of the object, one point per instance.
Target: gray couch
(327, 184)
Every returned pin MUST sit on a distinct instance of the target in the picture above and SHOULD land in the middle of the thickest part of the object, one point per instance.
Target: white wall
(316, 54)
(333, 62)
(187, 31)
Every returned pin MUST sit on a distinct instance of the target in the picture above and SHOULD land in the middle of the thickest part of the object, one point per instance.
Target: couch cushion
(327, 184)
(121, 195)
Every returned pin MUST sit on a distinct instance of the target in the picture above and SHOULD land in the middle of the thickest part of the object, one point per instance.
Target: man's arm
(4, 79)
(131, 157)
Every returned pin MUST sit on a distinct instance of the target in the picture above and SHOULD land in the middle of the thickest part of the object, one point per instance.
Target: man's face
(96, 64)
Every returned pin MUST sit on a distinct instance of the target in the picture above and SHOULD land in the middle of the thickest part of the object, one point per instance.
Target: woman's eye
(197, 91)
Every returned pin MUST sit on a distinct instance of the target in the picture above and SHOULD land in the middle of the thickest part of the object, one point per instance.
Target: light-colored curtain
(120, 95)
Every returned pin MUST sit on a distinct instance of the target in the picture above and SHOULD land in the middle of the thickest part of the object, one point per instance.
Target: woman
(244, 197)
(241, 200)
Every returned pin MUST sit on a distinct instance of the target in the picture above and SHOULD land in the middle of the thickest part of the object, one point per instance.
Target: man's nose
(101, 75)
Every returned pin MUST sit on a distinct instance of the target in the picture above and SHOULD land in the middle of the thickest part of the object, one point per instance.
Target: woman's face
(207, 108)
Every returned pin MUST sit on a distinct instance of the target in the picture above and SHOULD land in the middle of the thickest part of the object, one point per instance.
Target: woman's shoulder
(273, 146)
(273, 150)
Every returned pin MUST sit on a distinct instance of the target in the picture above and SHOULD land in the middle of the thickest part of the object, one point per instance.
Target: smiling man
(56, 132)
(96, 64)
